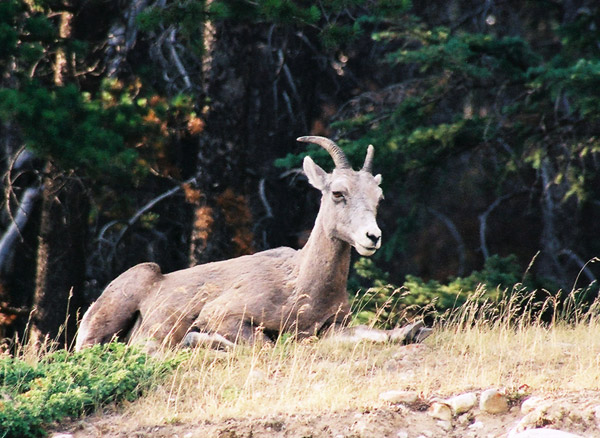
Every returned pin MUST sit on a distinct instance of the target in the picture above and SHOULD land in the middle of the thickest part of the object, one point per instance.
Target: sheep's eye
(338, 196)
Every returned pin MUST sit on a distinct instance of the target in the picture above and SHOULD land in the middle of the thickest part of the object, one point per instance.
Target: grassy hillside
(476, 346)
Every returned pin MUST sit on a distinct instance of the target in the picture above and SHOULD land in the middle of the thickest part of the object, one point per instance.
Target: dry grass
(472, 348)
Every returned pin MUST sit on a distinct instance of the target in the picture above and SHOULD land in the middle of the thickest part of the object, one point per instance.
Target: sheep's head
(350, 198)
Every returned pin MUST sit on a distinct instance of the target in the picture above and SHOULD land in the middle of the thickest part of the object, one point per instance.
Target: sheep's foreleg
(229, 331)
(411, 334)
(209, 340)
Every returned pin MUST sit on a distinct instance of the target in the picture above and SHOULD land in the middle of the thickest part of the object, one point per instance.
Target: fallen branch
(175, 57)
(20, 219)
(483, 222)
(148, 206)
(583, 266)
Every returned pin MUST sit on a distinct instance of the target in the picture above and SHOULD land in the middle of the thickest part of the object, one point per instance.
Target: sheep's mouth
(365, 250)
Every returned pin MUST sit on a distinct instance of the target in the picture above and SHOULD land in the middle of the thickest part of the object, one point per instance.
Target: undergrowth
(36, 392)
(503, 338)
(499, 284)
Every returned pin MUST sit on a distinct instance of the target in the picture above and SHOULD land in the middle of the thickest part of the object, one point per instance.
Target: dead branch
(549, 238)
(263, 198)
(483, 217)
(175, 57)
(122, 37)
(133, 219)
(583, 266)
(8, 240)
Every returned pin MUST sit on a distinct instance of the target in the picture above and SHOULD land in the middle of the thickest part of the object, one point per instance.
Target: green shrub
(385, 304)
(499, 284)
(64, 384)
(498, 274)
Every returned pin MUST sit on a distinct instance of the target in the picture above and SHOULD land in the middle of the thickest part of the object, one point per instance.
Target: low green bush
(386, 305)
(64, 384)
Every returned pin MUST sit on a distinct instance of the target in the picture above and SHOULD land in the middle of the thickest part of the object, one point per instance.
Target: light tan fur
(261, 295)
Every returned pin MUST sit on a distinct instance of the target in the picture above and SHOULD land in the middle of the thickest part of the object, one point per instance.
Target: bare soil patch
(568, 412)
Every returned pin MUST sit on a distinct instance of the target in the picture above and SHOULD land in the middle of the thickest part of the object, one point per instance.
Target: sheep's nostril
(374, 237)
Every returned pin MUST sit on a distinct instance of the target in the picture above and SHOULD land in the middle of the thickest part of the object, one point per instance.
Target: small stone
(361, 427)
(529, 420)
(445, 424)
(256, 375)
(462, 403)
(402, 434)
(477, 425)
(396, 396)
(531, 404)
(464, 419)
(493, 402)
(441, 411)
(391, 366)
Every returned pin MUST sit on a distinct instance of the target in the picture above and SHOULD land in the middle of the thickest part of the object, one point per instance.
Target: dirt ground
(576, 413)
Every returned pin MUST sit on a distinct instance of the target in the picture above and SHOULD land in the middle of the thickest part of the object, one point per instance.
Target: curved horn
(368, 166)
(338, 155)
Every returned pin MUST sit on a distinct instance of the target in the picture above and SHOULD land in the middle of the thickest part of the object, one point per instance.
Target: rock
(493, 402)
(476, 426)
(391, 366)
(543, 433)
(533, 403)
(441, 411)
(395, 396)
(256, 376)
(446, 425)
(541, 412)
(462, 403)
(361, 427)
(465, 419)
(532, 419)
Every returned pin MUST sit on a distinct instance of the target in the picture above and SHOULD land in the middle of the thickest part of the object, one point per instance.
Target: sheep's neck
(324, 266)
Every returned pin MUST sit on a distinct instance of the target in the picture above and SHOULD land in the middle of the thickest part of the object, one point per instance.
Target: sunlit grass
(475, 347)
(479, 345)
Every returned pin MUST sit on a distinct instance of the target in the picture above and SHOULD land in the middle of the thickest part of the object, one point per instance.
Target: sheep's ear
(378, 179)
(317, 177)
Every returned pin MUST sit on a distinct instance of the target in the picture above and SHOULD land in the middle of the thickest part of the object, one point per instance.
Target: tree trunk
(549, 266)
(60, 260)
(260, 94)
(61, 252)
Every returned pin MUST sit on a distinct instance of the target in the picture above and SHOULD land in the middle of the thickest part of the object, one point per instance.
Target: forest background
(159, 130)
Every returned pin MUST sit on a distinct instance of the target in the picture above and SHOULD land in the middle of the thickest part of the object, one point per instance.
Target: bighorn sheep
(258, 296)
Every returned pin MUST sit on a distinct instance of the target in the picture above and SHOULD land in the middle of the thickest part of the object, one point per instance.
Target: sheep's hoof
(411, 334)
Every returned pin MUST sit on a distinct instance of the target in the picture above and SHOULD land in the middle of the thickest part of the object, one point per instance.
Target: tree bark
(61, 251)
(549, 266)
(20, 219)
(255, 77)
(61, 254)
